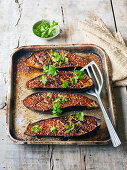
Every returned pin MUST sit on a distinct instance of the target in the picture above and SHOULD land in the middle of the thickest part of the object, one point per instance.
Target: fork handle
(114, 137)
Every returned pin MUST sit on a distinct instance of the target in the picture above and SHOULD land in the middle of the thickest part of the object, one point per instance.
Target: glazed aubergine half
(64, 126)
(58, 58)
(61, 80)
(47, 101)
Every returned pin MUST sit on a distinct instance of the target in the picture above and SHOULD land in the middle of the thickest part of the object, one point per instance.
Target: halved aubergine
(42, 58)
(59, 127)
(57, 81)
(43, 101)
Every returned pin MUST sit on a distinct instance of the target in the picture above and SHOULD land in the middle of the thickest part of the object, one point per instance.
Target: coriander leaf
(65, 84)
(67, 131)
(74, 79)
(67, 126)
(52, 70)
(43, 79)
(80, 74)
(44, 34)
(45, 69)
(51, 51)
(53, 129)
(56, 100)
(56, 109)
(64, 100)
(60, 96)
(66, 60)
(49, 95)
(54, 23)
(36, 128)
(57, 58)
(80, 116)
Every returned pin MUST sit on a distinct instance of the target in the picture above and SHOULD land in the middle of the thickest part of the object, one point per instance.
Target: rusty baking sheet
(18, 116)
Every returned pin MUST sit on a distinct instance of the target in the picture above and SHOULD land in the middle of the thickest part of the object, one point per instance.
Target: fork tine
(91, 64)
(99, 73)
(97, 80)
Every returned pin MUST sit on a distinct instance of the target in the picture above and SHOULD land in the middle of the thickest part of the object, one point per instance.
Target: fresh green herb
(36, 129)
(60, 96)
(64, 100)
(65, 84)
(45, 69)
(70, 127)
(56, 105)
(59, 59)
(45, 29)
(49, 95)
(80, 74)
(74, 79)
(65, 59)
(80, 116)
(53, 129)
(61, 99)
(43, 79)
(56, 109)
(52, 70)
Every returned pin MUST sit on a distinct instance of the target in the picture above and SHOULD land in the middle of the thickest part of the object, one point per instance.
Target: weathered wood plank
(17, 18)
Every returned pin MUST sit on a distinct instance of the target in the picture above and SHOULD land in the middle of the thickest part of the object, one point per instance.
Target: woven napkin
(96, 32)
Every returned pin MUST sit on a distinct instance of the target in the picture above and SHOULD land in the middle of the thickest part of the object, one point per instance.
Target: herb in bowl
(45, 29)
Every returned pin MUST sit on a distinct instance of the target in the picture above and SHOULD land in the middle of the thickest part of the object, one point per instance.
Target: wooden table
(16, 21)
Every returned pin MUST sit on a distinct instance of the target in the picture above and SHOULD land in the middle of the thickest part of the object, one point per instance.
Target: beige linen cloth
(96, 32)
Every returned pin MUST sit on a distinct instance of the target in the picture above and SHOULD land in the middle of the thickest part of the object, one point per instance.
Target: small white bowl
(57, 31)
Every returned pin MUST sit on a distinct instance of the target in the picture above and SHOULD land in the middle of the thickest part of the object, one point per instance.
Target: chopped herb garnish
(74, 79)
(56, 105)
(36, 129)
(60, 96)
(80, 116)
(79, 73)
(53, 129)
(43, 79)
(52, 70)
(70, 127)
(56, 109)
(45, 29)
(65, 59)
(49, 95)
(64, 100)
(48, 70)
(65, 84)
(45, 69)
(59, 59)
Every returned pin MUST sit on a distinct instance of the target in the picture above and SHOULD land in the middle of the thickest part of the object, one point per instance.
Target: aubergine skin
(57, 81)
(82, 128)
(39, 59)
(41, 102)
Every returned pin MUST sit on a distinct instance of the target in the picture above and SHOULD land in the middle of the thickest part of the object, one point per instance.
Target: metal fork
(96, 92)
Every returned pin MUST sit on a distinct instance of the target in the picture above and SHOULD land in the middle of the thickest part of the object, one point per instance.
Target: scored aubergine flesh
(57, 81)
(44, 58)
(43, 101)
(81, 128)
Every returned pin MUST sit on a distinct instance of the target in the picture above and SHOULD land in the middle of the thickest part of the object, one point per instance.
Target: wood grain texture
(17, 18)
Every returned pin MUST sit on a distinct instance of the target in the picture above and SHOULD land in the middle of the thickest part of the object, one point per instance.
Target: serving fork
(91, 69)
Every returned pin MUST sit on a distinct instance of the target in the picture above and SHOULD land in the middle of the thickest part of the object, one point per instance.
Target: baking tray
(18, 116)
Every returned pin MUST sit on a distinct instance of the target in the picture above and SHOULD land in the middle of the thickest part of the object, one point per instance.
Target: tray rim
(108, 77)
